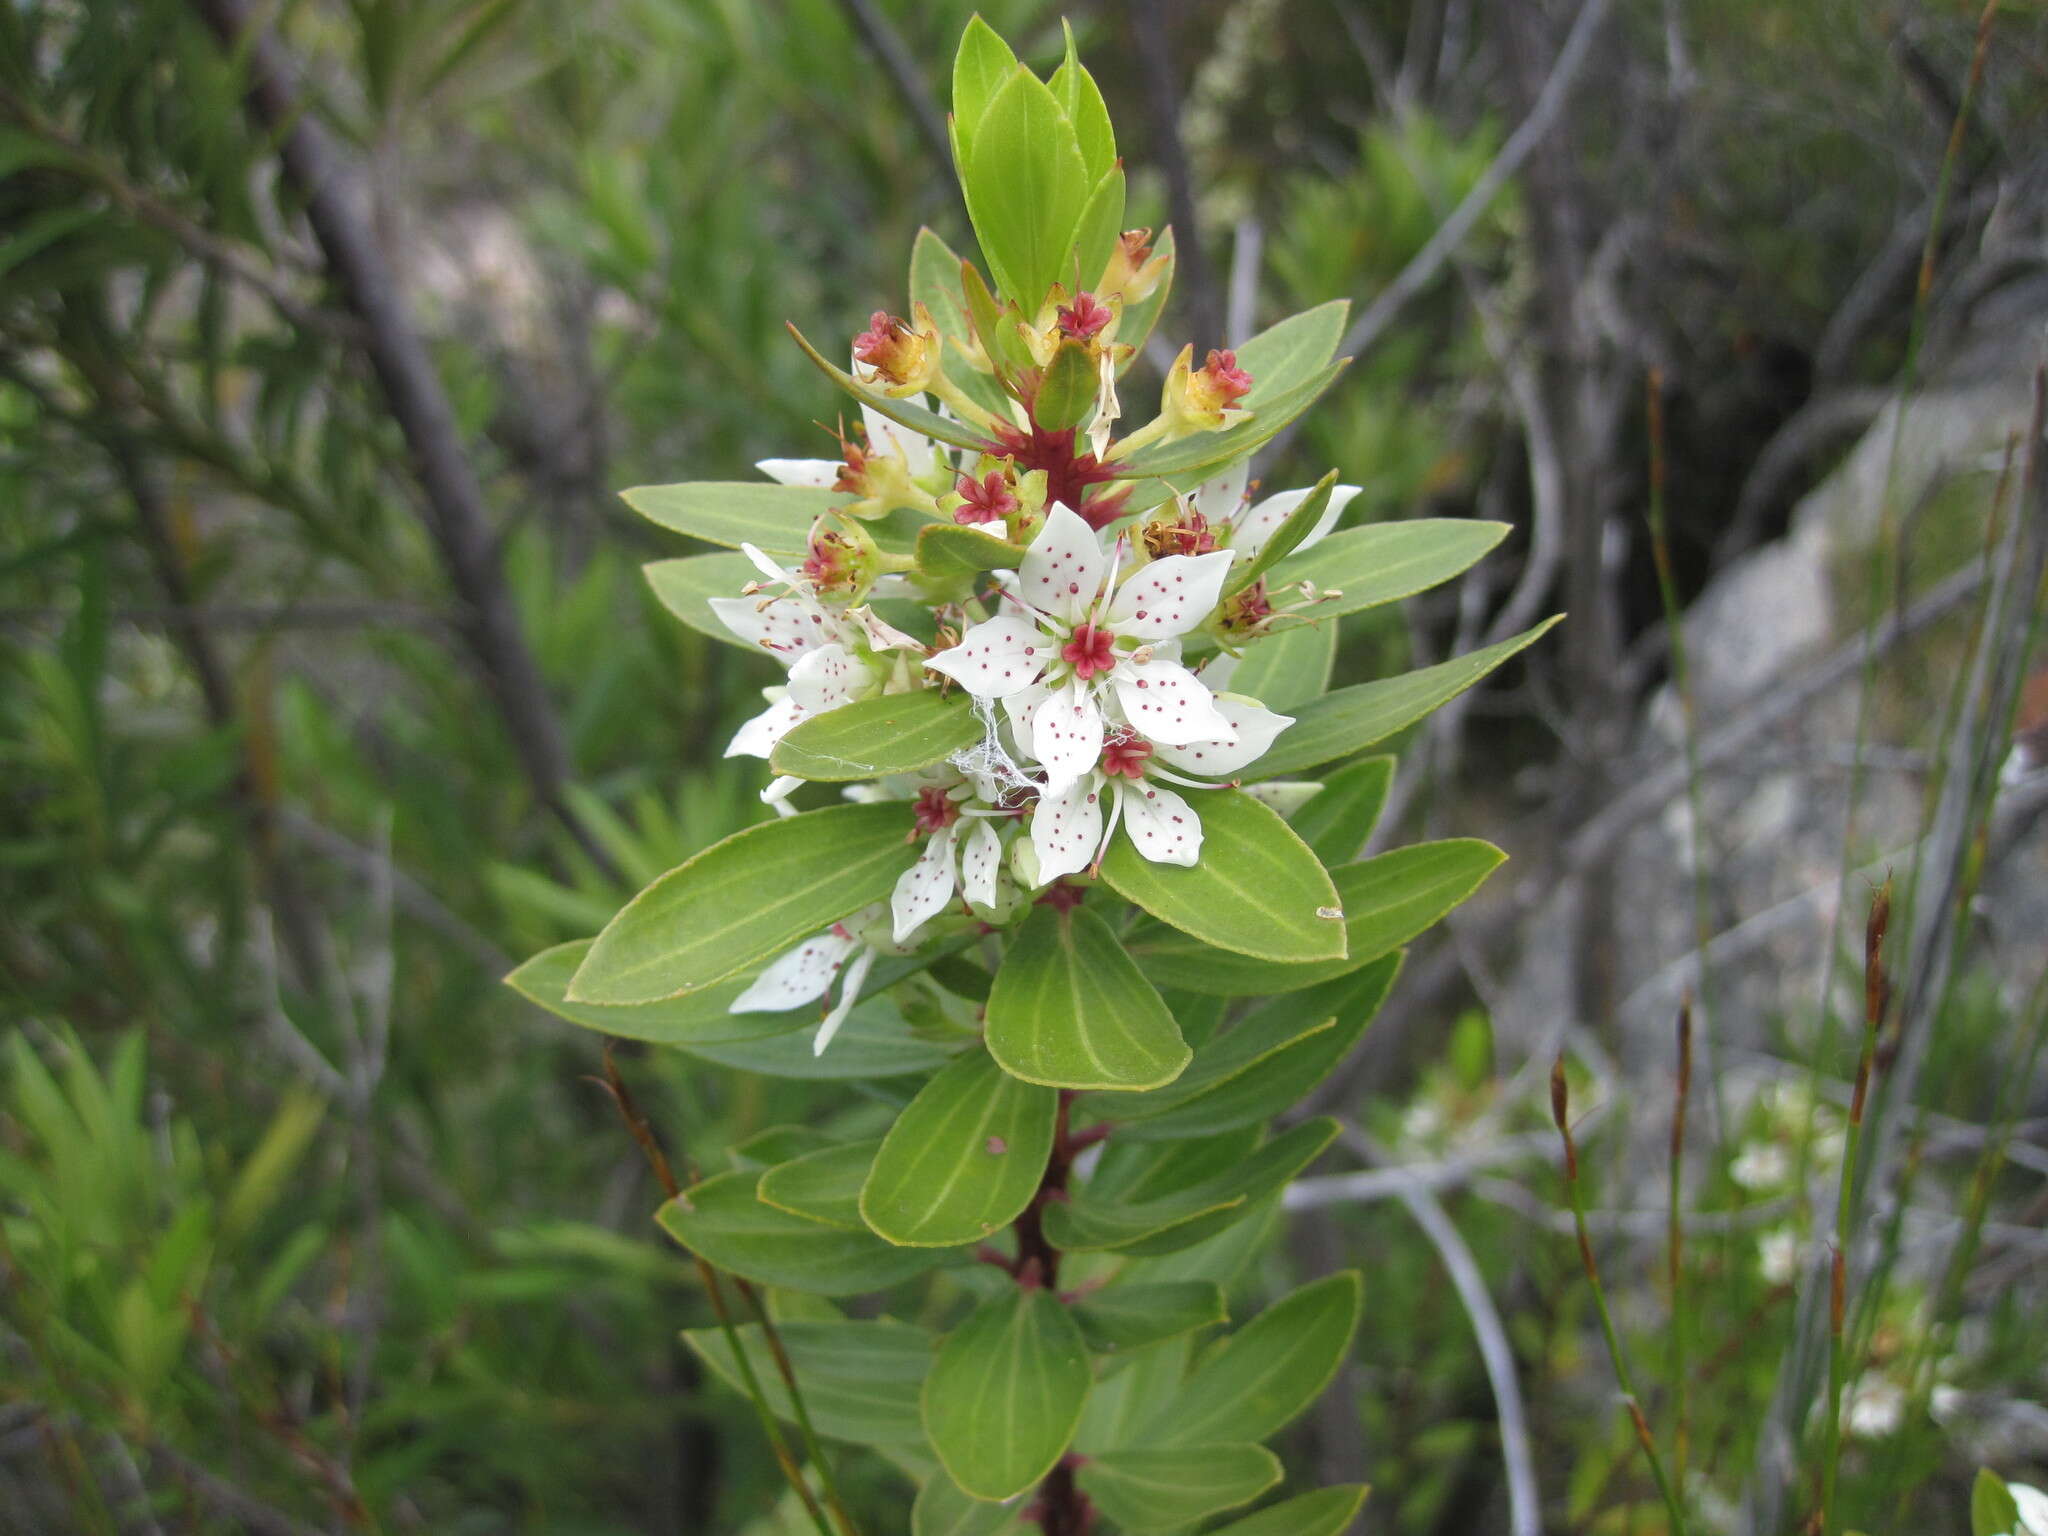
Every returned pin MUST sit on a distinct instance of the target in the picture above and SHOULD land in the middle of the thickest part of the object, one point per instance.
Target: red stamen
(987, 501)
(1091, 650)
(1084, 317)
(934, 811)
(1125, 753)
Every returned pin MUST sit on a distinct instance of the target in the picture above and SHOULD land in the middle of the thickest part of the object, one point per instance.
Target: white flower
(1777, 1256)
(957, 835)
(1222, 502)
(1761, 1165)
(2033, 1507)
(841, 955)
(1072, 635)
(1069, 831)
(1876, 1408)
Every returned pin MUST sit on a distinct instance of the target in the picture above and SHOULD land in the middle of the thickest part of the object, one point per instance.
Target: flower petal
(1253, 727)
(1162, 825)
(1066, 734)
(758, 736)
(1259, 522)
(826, 678)
(1167, 704)
(849, 994)
(885, 435)
(923, 890)
(813, 474)
(1066, 829)
(782, 626)
(799, 976)
(1221, 499)
(1063, 567)
(997, 658)
(981, 859)
(1284, 795)
(1170, 596)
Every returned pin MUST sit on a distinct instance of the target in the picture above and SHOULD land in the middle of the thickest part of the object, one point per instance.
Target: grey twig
(904, 74)
(1150, 27)
(457, 518)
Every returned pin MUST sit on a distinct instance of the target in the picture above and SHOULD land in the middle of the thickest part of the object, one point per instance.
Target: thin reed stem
(1560, 1112)
(1674, 1238)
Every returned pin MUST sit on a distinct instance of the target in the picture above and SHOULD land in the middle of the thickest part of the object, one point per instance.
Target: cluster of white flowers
(1073, 661)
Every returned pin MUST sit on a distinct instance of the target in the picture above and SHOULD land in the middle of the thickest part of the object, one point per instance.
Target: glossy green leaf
(822, 1186)
(1269, 1061)
(1352, 719)
(725, 1223)
(1387, 901)
(873, 738)
(701, 1016)
(860, 1381)
(775, 518)
(1257, 890)
(981, 65)
(1383, 562)
(1066, 393)
(943, 1510)
(1070, 1010)
(1006, 1392)
(1266, 1373)
(1080, 100)
(1285, 539)
(1326, 1512)
(1122, 1318)
(873, 1042)
(1186, 1216)
(1337, 822)
(1191, 460)
(962, 1159)
(746, 900)
(1025, 184)
(940, 429)
(951, 553)
(1162, 1488)
(1288, 668)
(1993, 1509)
(1283, 356)
(686, 585)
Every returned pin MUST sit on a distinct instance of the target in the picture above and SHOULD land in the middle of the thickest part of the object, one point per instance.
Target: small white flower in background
(1073, 637)
(1777, 1256)
(1422, 1122)
(1068, 830)
(1876, 1408)
(1223, 505)
(1761, 1165)
(839, 957)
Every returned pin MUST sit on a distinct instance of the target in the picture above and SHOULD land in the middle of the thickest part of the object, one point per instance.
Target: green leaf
(1257, 890)
(1383, 562)
(822, 1186)
(1283, 356)
(980, 67)
(1266, 1063)
(1287, 668)
(776, 518)
(1185, 1217)
(1066, 395)
(775, 1144)
(1352, 719)
(725, 1223)
(1285, 539)
(745, 900)
(1326, 1512)
(1191, 460)
(1095, 234)
(1025, 184)
(872, 738)
(1080, 99)
(1139, 318)
(1006, 1392)
(995, 324)
(701, 1016)
(1163, 1488)
(1070, 1010)
(685, 587)
(962, 1159)
(940, 429)
(1993, 1510)
(873, 1042)
(1387, 901)
(948, 552)
(860, 1381)
(1122, 1318)
(1336, 823)
(935, 283)
(943, 1510)
(1266, 1373)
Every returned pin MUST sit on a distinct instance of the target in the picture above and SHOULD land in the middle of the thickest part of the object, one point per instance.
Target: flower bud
(905, 358)
(1133, 272)
(1203, 399)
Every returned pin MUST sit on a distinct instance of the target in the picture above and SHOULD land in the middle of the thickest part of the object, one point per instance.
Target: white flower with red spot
(836, 960)
(1070, 639)
(1245, 525)
(957, 823)
(1069, 830)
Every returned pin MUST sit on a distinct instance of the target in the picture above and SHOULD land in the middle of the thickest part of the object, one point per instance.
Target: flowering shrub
(1051, 690)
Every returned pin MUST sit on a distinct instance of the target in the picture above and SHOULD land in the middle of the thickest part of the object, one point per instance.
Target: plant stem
(1060, 1508)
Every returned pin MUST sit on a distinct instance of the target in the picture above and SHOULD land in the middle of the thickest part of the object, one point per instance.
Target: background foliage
(308, 1224)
